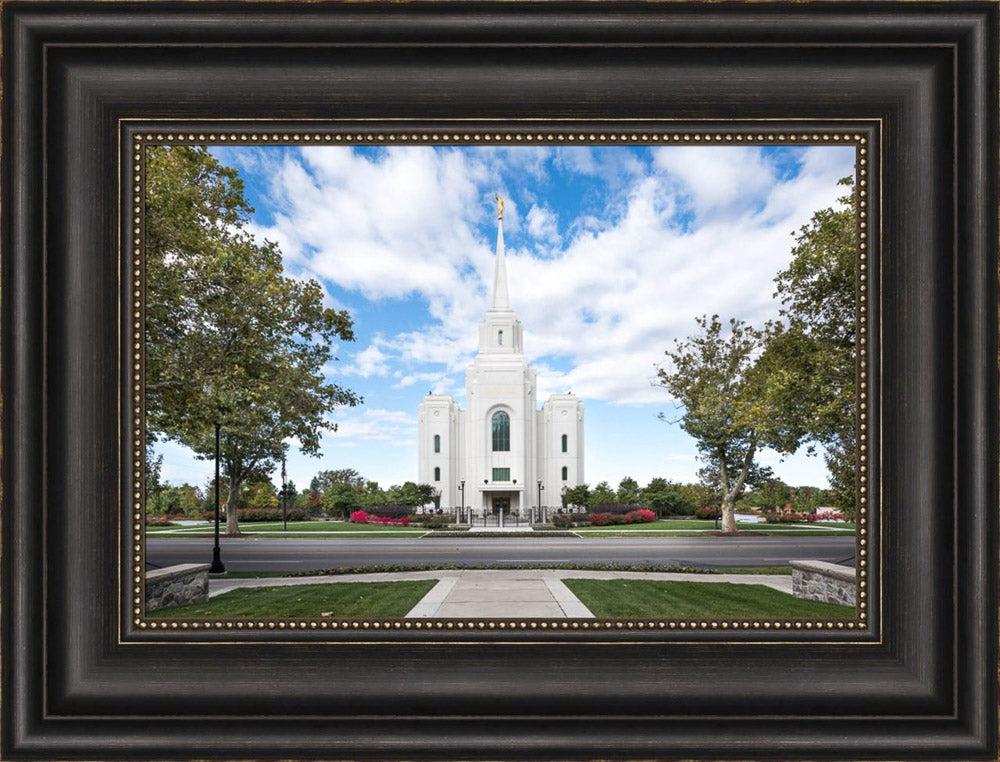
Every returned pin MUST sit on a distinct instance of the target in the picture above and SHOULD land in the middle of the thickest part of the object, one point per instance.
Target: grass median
(335, 599)
(699, 528)
(696, 600)
(295, 529)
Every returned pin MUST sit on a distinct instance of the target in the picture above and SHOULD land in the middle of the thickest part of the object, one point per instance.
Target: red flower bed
(829, 516)
(640, 516)
(360, 517)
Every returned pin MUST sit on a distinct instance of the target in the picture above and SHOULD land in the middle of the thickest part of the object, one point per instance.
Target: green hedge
(259, 514)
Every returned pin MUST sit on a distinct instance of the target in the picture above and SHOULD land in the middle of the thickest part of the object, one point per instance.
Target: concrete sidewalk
(535, 593)
(514, 593)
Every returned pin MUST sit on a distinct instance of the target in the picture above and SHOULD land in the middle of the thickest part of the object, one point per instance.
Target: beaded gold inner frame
(862, 135)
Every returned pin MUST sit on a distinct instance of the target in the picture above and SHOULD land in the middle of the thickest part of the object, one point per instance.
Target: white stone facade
(502, 445)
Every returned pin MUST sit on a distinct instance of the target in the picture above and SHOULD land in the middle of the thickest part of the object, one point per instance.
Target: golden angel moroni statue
(499, 206)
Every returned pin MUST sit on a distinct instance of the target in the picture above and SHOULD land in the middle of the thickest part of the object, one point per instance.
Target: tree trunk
(729, 496)
(728, 509)
(232, 520)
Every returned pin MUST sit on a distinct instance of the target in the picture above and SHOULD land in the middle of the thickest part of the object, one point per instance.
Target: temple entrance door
(501, 508)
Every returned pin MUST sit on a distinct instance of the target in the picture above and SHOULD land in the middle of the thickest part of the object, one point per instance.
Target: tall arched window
(565, 473)
(501, 432)
(437, 443)
(499, 338)
(565, 443)
(437, 473)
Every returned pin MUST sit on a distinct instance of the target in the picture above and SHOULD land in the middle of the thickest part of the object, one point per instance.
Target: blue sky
(612, 253)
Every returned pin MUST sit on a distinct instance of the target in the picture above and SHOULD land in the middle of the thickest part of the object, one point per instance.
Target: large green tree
(736, 398)
(817, 290)
(602, 494)
(230, 339)
(667, 498)
(628, 490)
(326, 480)
(578, 496)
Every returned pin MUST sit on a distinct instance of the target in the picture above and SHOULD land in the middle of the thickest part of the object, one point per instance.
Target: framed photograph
(499, 381)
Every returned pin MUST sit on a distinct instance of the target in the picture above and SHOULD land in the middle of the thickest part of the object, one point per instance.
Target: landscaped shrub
(158, 521)
(601, 519)
(360, 517)
(792, 517)
(389, 520)
(607, 519)
(828, 516)
(392, 511)
(641, 516)
(437, 522)
(258, 514)
(616, 508)
(788, 517)
(708, 512)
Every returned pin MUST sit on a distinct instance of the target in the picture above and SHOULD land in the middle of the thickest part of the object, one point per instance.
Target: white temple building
(502, 455)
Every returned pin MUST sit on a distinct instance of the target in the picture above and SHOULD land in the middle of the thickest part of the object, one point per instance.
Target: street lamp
(217, 566)
(461, 511)
(541, 512)
(284, 494)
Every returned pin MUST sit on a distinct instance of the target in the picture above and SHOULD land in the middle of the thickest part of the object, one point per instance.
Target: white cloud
(390, 427)
(371, 361)
(543, 224)
(605, 300)
(718, 177)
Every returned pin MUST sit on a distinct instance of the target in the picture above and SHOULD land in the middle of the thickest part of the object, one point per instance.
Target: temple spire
(501, 298)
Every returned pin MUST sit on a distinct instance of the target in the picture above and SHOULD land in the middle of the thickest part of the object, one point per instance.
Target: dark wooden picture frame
(79, 682)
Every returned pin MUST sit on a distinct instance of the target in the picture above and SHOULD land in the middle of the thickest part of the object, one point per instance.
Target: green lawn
(695, 600)
(655, 526)
(325, 526)
(613, 534)
(339, 599)
(691, 527)
(294, 528)
(662, 528)
(375, 568)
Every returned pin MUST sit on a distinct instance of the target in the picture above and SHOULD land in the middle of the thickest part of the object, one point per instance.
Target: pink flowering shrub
(402, 522)
(604, 519)
(828, 516)
(360, 517)
(641, 516)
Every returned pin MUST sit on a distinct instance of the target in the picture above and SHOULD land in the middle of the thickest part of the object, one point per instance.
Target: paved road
(271, 554)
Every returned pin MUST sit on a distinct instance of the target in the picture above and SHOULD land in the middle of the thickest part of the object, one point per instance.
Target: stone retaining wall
(822, 581)
(176, 586)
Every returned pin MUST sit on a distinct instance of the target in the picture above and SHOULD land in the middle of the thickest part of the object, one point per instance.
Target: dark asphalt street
(294, 554)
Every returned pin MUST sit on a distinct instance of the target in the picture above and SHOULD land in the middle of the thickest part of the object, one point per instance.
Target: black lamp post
(217, 566)
(541, 513)
(284, 495)
(461, 512)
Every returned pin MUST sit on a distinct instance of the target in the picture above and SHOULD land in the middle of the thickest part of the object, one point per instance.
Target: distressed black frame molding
(77, 683)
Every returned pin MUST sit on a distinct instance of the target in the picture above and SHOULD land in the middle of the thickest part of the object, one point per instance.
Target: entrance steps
(499, 530)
